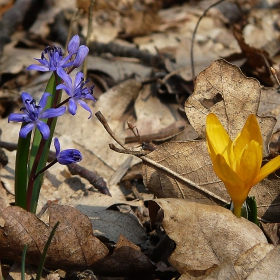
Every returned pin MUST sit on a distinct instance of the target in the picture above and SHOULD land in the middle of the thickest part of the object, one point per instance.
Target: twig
(97, 181)
(161, 135)
(194, 32)
(75, 169)
(126, 51)
(128, 152)
(274, 73)
(74, 18)
(145, 145)
(89, 30)
(102, 119)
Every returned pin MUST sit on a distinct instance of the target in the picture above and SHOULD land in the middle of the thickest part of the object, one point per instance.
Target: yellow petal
(249, 163)
(268, 168)
(234, 185)
(218, 140)
(251, 131)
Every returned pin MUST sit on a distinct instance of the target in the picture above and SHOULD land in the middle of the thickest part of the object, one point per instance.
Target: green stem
(21, 176)
(33, 171)
(23, 262)
(43, 256)
(45, 168)
(40, 151)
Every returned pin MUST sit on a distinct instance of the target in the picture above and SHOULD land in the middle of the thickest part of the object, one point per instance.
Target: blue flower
(32, 115)
(76, 92)
(66, 156)
(52, 57)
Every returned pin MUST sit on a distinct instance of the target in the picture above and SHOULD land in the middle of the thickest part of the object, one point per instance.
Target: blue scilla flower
(76, 91)
(52, 57)
(66, 156)
(32, 115)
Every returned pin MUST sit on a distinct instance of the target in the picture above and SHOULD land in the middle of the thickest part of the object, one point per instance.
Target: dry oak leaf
(184, 169)
(266, 268)
(205, 235)
(73, 245)
(126, 260)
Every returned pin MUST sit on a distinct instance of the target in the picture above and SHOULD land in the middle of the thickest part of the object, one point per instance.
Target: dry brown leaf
(211, 234)
(111, 224)
(224, 271)
(270, 104)
(272, 232)
(266, 267)
(250, 259)
(240, 98)
(127, 259)
(257, 59)
(73, 245)
(184, 169)
(15, 272)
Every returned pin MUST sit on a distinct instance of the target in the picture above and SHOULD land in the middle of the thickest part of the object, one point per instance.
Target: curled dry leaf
(127, 259)
(250, 259)
(111, 224)
(224, 271)
(211, 234)
(73, 245)
(184, 169)
(240, 97)
(264, 263)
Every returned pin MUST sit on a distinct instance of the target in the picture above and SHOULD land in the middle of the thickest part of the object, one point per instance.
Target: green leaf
(23, 262)
(249, 209)
(21, 170)
(44, 254)
(51, 88)
(252, 209)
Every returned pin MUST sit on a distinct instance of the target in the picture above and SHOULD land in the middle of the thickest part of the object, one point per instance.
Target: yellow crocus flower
(238, 163)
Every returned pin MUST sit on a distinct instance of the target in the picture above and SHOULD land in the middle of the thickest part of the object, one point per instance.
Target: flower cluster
(238, 163)
(53, 59)
(41, 117)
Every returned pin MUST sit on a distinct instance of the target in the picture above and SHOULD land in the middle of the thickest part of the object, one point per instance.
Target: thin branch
(89, 30)
(193, 35)
(128, 152)
(102, 119)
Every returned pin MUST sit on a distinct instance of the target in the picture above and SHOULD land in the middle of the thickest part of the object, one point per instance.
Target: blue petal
(44, 62)
(26, 129)
(85, 106)
(89, 96)
(73, 44)
(57, 146)
(69, 156)
(65, 77)
(44, 129)
(38, 68)
(53, 112)
(43, 101)
(15, 117)
(26, 96)
(67, 89)
(65, 61)
(81, 55)
(78, 78)
(72, 107)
